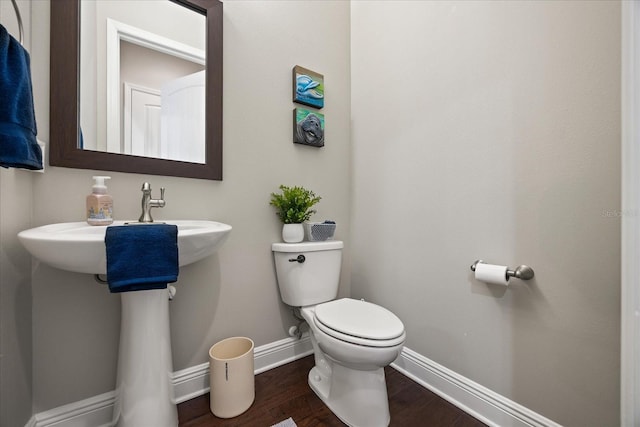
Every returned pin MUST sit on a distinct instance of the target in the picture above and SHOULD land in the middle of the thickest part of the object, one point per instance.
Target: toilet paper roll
(489, 273)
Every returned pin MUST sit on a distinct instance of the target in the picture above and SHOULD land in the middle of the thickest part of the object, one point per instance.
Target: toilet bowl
(349, 371)
(353, 340)
(356, 333)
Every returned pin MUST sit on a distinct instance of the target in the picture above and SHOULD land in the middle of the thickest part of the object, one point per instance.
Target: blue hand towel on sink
(141, 257)
(18, 145)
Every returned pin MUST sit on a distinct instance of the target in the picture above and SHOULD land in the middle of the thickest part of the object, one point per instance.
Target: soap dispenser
(99, 203)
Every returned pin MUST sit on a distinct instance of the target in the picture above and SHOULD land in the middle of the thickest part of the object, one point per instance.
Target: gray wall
(15, 299)
(15, 272)
(491, 130)
(76, 321)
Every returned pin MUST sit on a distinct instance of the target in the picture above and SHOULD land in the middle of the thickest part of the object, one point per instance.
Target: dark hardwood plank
(283, 392)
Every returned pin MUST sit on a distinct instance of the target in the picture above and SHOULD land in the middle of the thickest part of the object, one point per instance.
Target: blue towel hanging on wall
(141, 257)
(18, 145)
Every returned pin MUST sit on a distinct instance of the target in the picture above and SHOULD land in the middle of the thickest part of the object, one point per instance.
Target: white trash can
(231, 377)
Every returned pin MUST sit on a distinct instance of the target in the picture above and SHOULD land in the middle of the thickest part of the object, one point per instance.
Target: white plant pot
(292, 233)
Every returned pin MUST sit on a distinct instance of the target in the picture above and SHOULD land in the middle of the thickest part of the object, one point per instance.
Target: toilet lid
(359, 319)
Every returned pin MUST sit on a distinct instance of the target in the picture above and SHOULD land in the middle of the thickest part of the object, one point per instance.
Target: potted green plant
(293, 207)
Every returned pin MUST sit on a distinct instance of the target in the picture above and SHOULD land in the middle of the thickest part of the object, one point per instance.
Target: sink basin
(79, 247)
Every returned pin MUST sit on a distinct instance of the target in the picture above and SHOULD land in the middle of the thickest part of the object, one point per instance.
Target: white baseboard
(188, 383)
(489, 407)
(95, 411)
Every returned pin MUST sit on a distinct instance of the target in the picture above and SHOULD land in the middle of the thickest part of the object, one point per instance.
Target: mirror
(66, 139)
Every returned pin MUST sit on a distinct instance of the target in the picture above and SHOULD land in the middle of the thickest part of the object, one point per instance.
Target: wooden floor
(283, 392)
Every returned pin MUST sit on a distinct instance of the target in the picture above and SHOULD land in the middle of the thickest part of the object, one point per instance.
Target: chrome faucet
(148, 202)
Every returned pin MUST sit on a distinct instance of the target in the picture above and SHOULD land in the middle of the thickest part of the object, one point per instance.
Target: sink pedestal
(144, 391)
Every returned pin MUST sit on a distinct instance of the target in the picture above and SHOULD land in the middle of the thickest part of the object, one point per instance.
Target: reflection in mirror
(143, 106)
(164, 116)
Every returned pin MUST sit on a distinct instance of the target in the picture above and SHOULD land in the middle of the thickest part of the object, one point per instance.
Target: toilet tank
(315, 279)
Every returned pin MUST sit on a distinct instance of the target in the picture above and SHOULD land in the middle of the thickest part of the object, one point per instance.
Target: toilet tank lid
(326, 245)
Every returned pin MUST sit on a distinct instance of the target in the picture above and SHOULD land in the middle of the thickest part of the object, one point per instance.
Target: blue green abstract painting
(308, 87)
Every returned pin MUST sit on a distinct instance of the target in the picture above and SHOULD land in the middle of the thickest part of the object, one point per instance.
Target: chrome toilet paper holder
(522, 272)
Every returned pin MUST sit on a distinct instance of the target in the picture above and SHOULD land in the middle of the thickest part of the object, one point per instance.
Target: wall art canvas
(308, 127)
(308, 87)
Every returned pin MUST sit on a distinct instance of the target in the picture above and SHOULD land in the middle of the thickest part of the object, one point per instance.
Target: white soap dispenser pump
(99, 203)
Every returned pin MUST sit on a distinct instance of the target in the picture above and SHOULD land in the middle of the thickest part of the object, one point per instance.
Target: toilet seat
(359, 322)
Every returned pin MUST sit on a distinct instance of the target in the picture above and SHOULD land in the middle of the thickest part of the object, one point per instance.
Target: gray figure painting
(308, 127)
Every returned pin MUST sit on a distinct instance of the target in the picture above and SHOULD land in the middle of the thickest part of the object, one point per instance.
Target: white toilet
(352, 340)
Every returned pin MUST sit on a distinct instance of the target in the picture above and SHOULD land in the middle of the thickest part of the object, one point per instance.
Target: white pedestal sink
(144, 394)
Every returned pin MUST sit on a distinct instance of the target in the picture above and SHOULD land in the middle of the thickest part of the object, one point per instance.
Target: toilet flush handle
(299, 259)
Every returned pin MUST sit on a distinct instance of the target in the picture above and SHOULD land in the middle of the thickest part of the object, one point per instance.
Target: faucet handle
(161, 193)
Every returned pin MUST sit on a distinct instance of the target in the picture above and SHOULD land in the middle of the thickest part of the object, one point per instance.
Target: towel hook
(20, 29)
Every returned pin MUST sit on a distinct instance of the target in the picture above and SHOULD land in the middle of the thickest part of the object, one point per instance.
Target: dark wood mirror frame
(65, 107)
